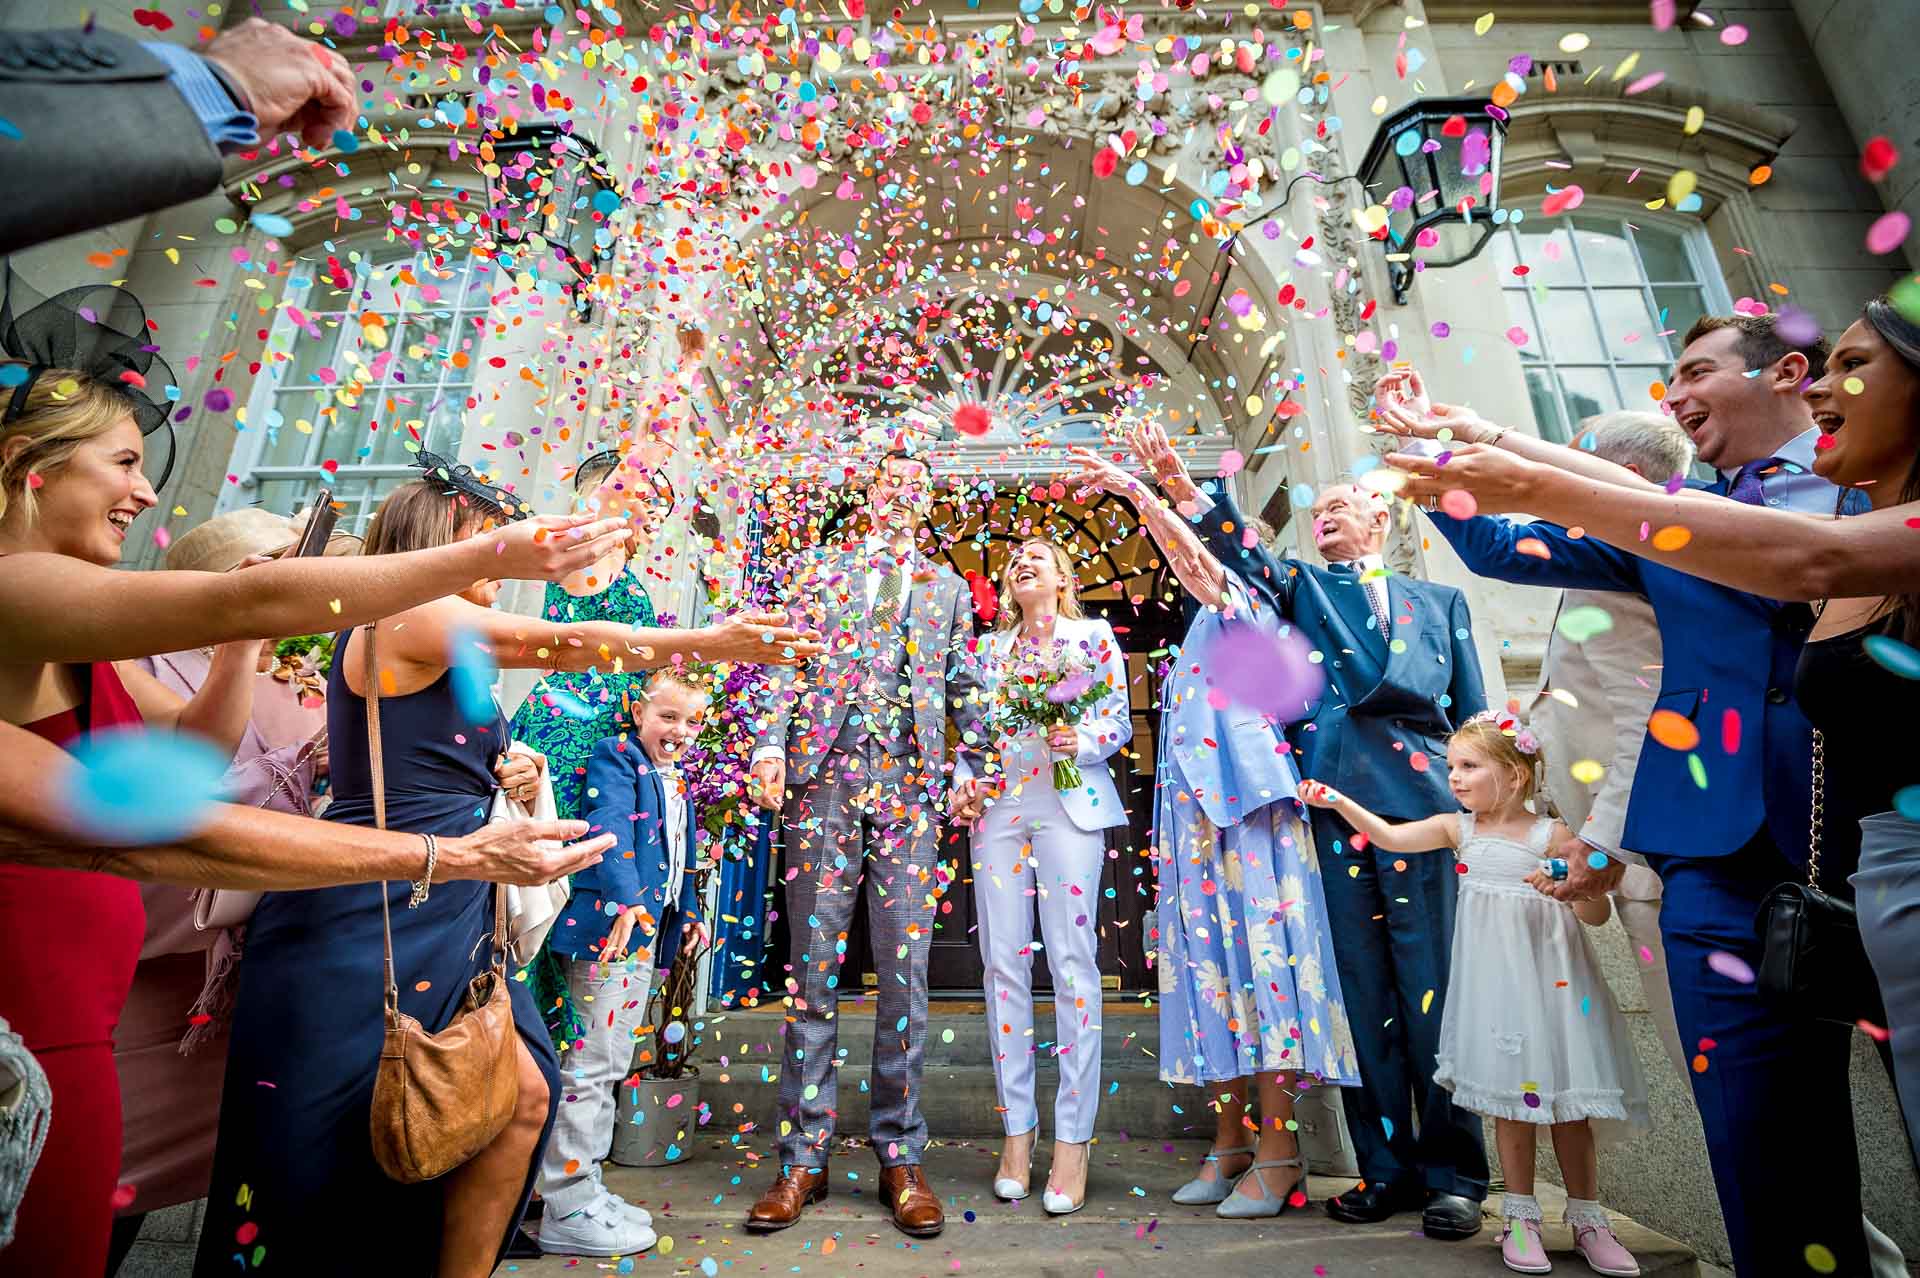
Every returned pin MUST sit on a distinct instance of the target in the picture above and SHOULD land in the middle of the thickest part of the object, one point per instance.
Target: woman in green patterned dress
(567, 714)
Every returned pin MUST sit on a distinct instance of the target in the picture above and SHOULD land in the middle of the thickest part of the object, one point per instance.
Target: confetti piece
(1672, 537)
(1888, 232)
(1268, 672)
(141, 786)
(1731, 966)
(1673, 730)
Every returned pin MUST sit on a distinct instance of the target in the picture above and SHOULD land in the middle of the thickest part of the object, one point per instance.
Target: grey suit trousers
(863, 816)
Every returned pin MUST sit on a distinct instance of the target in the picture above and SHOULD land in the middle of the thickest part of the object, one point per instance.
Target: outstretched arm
(1429, 834)
(59, 608)
(258, 848)
(1404, 410)
(1776, 553)
(1196, 568)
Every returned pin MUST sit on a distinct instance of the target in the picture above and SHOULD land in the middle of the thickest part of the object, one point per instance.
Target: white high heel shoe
(1009, 1190)
(1059, 1204)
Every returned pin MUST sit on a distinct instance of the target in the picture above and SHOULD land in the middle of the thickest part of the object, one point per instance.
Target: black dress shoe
(1450, 1217)
(1372, 1201)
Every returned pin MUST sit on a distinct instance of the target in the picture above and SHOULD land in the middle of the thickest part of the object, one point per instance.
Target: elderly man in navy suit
(1402, 674)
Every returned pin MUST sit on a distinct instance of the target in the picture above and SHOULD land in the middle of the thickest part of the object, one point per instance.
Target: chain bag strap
(438, 1099)
(1812, 963)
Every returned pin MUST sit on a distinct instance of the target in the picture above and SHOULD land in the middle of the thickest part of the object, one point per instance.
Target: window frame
(1695, 244)
(359, 484)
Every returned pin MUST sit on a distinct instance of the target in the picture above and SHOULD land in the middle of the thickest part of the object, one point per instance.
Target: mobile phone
(319, 528)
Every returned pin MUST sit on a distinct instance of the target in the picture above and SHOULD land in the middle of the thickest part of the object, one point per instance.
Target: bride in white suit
(1038, 845)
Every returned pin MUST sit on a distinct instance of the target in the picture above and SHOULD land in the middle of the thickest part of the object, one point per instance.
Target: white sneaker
(599, 1229)
(638, 1215)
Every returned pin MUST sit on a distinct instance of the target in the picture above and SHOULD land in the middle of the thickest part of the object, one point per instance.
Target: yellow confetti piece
(1853, 386)
(665, 1245)
(1572, 41)
(1695, 118)
(1820, 1260)
(1587, 771)
(1672, 537)
(1681, 185)
(334, 604)
(1483, 24)
(1426, 1001)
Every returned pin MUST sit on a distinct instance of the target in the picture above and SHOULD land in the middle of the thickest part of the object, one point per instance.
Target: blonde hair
(64, 409)
(1501, 746)
(670, 677)
(1010, 615)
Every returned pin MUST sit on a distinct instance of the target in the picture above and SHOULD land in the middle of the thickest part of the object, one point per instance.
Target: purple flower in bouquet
(1071, 688)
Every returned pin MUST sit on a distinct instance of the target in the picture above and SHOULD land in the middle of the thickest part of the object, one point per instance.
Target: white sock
(1585, 1211)
(1520, 1207)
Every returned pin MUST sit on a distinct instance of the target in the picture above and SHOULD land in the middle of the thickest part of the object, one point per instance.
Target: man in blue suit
(1402, 674)
(1721, 797)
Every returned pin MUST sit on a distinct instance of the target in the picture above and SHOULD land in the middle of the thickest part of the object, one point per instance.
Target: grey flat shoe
(1199, 1193)
(1241, 1206)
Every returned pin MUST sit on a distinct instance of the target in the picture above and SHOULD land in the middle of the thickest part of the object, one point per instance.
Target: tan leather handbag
(439, 1099)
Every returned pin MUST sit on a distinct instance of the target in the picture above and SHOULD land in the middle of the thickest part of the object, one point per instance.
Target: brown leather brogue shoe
(916, 1211)
(787, 1198)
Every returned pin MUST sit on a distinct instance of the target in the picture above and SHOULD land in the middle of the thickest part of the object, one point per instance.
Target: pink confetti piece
(1645, 82)
(1731, 966)
(1888, 232)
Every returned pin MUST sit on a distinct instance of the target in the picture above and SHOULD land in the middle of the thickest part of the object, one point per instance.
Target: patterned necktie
(1747, 484)
(886, 601)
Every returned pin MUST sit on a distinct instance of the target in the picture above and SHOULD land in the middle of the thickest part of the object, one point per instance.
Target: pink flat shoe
(1603, 1252)
(1522, 1250)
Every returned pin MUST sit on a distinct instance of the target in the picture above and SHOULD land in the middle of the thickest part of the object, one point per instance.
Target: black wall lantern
(1435, 166)
(545, 168)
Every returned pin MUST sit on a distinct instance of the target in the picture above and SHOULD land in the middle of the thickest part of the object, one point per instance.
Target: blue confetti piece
(12, 374)
(1893, 655)
(141, 786)
(1388, 1124)
(344, 141)
(474, 672)
(1906, 801)
(8, 129)
(1596, 860)
(271, 224)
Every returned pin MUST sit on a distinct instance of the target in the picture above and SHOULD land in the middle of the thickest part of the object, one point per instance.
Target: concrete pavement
(1129, 1226)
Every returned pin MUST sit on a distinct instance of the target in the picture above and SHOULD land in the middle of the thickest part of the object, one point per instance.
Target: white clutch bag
(531, 911)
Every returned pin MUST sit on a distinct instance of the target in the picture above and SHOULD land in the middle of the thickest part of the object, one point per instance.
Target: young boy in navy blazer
(626, 919)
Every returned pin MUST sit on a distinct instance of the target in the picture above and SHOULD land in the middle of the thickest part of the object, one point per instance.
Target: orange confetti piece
(1533, 546)
(1673, 730)
(1672, 537)
(1760, 175)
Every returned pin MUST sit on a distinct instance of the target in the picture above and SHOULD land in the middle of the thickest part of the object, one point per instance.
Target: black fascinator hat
(459, 479)
(98, 330)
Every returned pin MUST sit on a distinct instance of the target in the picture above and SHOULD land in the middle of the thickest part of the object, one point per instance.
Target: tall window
(371, 359)
(1605, 302)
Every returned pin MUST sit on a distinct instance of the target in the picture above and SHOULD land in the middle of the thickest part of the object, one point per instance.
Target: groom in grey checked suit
(853, 751)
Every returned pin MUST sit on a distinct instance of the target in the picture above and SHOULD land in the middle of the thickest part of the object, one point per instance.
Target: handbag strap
(378, 763)
(1817, 817)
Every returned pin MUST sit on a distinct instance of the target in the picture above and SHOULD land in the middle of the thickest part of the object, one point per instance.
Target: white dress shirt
(1372, 571)
(674, 787)
(1797, 489)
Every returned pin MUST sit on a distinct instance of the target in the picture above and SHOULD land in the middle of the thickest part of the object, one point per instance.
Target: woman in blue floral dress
(1248, 987)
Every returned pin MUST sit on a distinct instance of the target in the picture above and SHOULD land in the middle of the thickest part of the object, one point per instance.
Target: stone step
(741, 1071)
(1129, 1225)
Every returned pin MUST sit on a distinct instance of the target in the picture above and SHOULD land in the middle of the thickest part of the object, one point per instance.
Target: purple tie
(1746, 486)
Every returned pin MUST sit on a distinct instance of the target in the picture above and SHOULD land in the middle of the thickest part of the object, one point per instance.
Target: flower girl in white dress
(1531, 1034)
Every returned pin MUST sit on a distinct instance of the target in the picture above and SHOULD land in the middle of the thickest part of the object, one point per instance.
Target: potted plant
(659, 1102)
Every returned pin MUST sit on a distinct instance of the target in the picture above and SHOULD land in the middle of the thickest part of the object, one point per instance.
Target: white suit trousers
(611, 999)
(1026, 850)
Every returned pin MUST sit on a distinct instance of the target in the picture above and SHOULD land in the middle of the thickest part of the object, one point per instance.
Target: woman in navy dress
(295, 1186)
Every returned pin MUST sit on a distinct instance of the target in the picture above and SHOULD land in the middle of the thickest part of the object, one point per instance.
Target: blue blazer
(1728, 659)
(623, 796)
(1380, 706)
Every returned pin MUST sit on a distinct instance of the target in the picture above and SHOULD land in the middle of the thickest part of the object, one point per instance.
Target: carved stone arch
(1600, 137)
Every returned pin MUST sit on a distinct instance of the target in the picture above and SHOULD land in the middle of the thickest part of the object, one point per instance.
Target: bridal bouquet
(1045, 686)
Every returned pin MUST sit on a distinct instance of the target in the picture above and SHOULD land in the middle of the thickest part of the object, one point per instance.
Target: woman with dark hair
(294, 1160)
(1857, 672)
